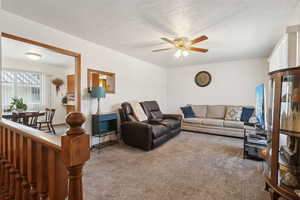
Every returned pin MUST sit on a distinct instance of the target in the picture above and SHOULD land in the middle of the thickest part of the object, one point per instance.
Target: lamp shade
(98, 92)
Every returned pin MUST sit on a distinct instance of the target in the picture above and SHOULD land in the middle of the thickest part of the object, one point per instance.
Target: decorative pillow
(199, 110)
(156, 115)
(233, 113)
(247, 114)
(188, 112)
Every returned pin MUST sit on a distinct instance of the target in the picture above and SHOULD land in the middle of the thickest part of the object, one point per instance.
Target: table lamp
(98, 92)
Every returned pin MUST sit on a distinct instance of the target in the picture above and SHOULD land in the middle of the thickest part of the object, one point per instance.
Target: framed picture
(260, 114)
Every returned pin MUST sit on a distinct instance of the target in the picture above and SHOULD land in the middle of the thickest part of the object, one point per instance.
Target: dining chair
(49, 115)
(18, 117)
(33, 119)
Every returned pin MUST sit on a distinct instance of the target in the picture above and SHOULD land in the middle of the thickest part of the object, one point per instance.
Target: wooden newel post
(75, 152)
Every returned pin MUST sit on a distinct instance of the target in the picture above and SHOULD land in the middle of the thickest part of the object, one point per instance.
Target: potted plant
(17, 104)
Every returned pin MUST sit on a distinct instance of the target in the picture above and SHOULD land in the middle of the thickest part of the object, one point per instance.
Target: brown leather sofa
(156, 130)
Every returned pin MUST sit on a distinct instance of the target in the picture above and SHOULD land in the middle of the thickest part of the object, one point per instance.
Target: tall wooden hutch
(283, 154)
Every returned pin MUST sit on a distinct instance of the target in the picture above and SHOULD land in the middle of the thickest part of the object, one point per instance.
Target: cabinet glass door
(289, 137)
(269, 128)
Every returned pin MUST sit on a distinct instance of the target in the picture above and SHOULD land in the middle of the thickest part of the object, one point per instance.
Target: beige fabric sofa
(211, 119)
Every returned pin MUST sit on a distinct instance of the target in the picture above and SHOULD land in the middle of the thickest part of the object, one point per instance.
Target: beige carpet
(188, 167)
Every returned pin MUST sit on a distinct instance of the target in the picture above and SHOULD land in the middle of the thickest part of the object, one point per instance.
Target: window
(27, 85)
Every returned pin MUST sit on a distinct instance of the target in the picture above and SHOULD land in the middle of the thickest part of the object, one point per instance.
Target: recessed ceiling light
(33, 56)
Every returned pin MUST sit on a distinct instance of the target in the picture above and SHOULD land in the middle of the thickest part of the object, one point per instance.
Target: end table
(104, 125)
(255, 142)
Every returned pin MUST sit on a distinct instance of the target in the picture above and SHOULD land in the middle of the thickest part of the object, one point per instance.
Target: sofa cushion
(213, 122)
(216, 111)
(156, 115)
(233, 124)
(188, 112)
(193, 120)
(233, 113)
(149, 107)
(246, 114)
(171, 123)
(159, 130)
(200, 110)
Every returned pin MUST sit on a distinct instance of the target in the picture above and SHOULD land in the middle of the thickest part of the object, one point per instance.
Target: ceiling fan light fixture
(33, 56)
(185, 53)
(178, 53)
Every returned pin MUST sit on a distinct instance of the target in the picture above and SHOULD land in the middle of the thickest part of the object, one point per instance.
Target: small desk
(103, 125)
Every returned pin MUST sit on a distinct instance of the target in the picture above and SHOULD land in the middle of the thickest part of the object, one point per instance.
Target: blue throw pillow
(246, 114)
(188, 112)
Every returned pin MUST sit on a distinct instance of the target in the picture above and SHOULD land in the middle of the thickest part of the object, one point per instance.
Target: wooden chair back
(49, 114)
(32, 121)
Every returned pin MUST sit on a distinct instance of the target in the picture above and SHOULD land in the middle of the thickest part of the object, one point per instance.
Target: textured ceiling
(237, 29)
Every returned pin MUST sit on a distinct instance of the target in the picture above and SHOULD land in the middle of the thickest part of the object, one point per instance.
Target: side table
(255, 141)
(104, 125)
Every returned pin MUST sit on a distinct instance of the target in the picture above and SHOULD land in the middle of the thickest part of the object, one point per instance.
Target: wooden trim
(276, 129)
(53, 48)
(113, 75)
(50, 140)
(284, 70)
(282, 191)
(102, 72)
(61, 51)
(33, 165)
(78, 82)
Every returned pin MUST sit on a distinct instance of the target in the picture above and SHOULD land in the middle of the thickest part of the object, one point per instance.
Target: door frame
(77, 57)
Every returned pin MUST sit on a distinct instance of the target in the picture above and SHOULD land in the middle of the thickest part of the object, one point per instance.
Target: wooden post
(75, 152)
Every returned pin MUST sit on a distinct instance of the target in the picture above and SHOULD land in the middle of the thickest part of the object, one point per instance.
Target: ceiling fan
(184, 45)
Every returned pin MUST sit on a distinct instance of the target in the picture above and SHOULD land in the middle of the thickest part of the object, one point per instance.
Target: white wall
(295, 19)
(135, 79)
(233, 83)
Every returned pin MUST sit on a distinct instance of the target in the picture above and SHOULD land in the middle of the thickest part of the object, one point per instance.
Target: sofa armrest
(137, 134)
(172, 116)
(155, 121)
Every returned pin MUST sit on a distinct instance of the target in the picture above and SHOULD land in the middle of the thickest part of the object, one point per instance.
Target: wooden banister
(36, 165)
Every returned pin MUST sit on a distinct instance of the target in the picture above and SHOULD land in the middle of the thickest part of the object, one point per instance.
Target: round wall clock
(203, 79)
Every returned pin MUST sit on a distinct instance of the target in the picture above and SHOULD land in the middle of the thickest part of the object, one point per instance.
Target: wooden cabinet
(70, 106)
(283, 153)
(71, 83)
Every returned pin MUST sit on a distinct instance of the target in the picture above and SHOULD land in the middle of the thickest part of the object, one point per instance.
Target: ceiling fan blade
(198, 49)
(157, 50)
(199, 39)
(168, 40)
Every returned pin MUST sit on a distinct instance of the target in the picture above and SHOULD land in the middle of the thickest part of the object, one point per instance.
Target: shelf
(103, 134)
(284, 165)
(283, 191)
(255, 146)
(290, 133)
